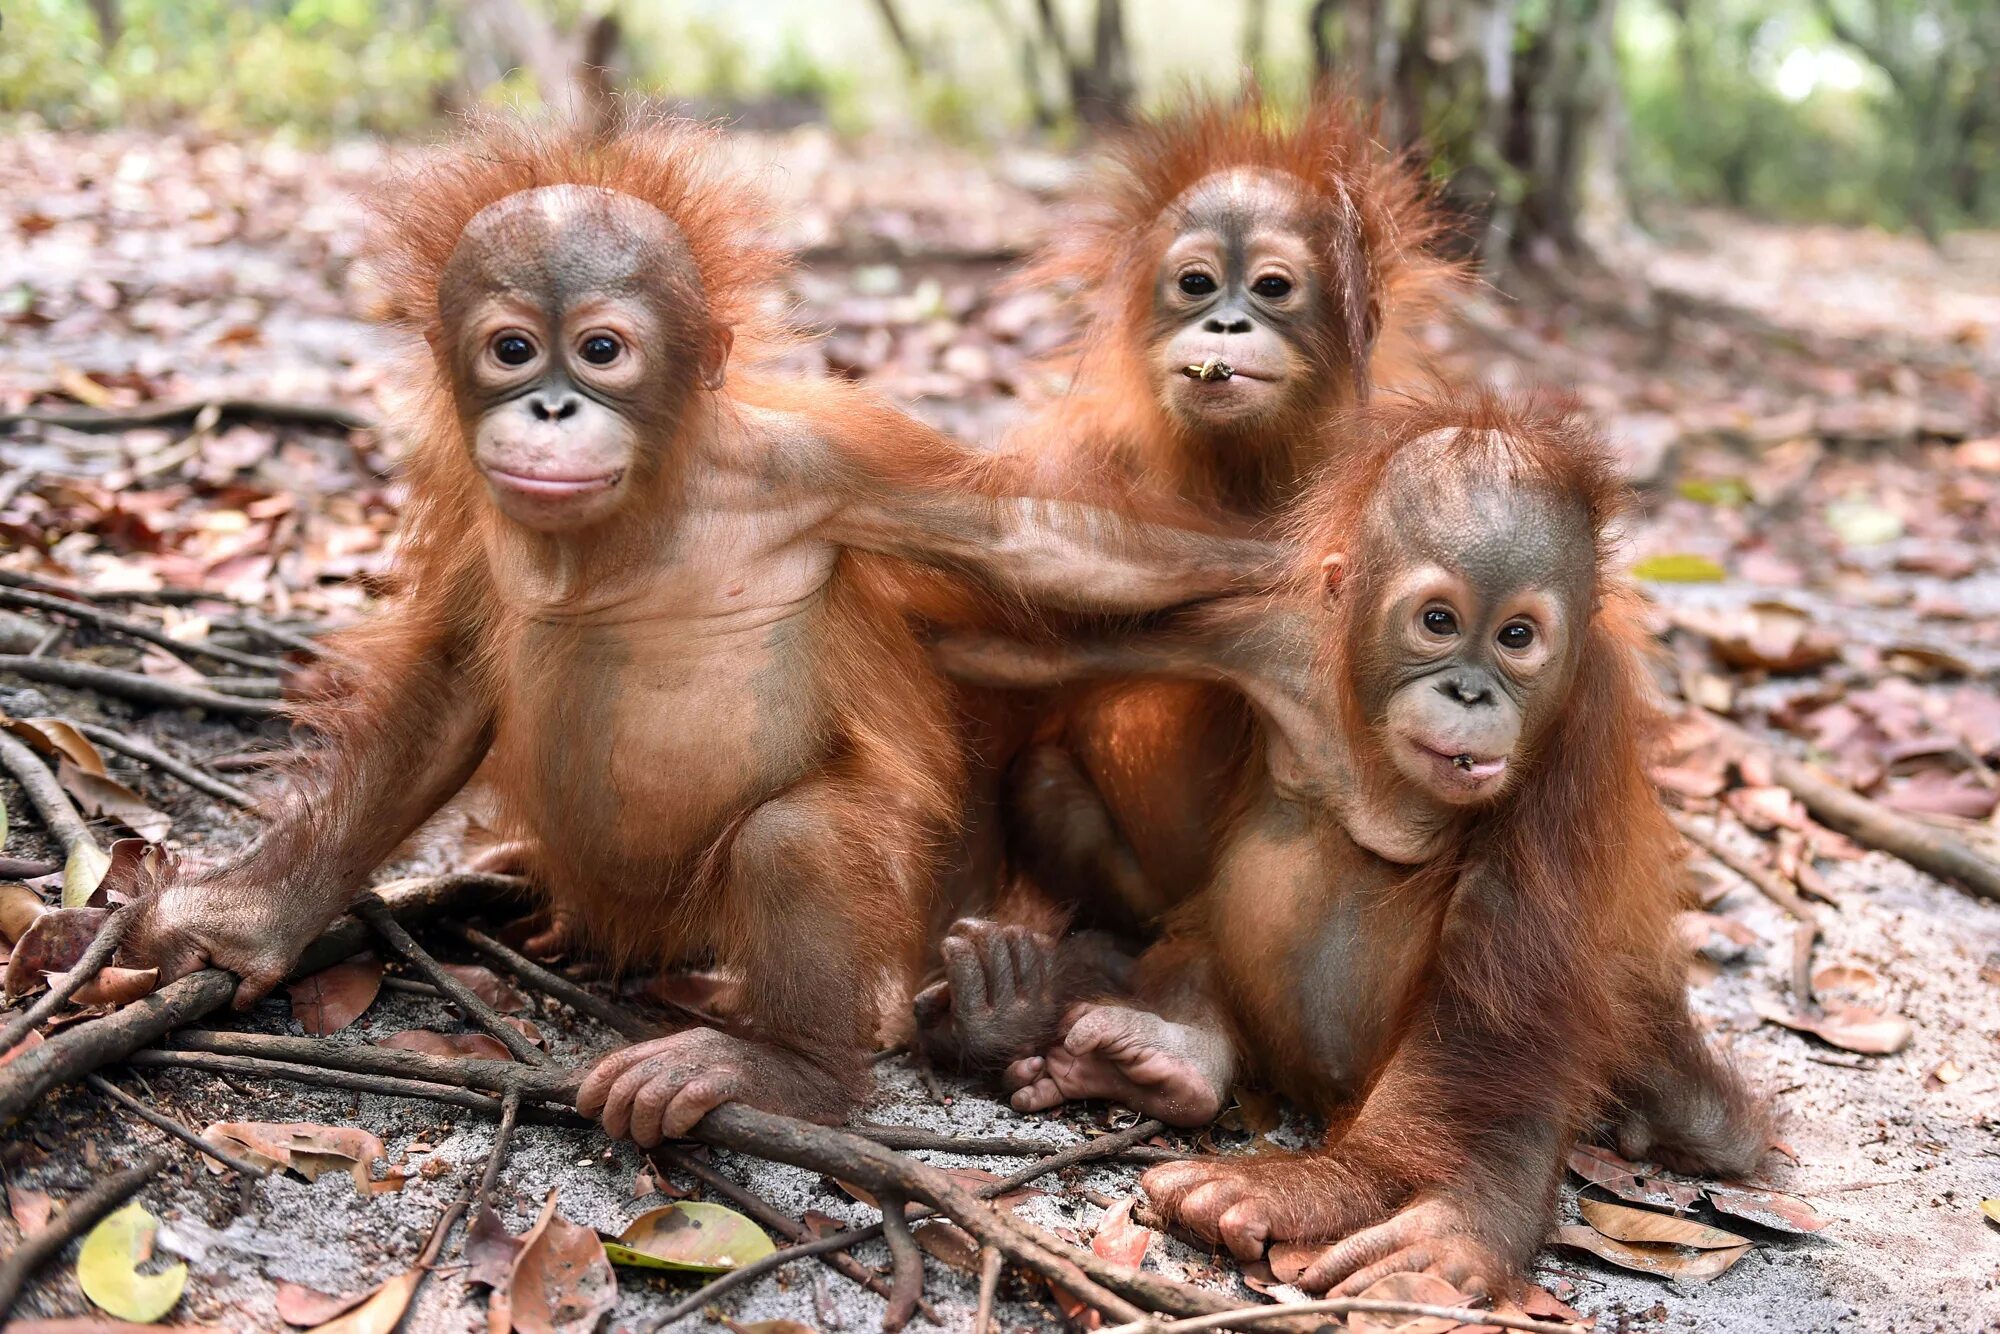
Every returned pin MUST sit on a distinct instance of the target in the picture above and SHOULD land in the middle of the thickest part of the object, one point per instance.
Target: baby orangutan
(1441, 910)
(637, 586)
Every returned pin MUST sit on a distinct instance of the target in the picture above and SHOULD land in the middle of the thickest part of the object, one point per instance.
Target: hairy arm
(906, 491)
(404, 733)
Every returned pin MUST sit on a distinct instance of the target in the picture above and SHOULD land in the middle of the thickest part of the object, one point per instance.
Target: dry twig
(554, 984)
(77, 1215)
(216, 410)
(136, 629)
(989, 1288)
(1264, 1315)
(906, 1287)
(374, 912)
(906, 1139)
(1773, 887)
(45, 794)
(180, 1132)
(131, 685)
(149, 753)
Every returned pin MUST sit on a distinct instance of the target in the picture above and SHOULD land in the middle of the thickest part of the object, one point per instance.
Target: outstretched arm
(907, 491)
(406, 731)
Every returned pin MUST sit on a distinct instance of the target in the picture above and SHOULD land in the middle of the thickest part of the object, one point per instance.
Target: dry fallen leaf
(383, 1310)
(107, 1268)
(1423, 1289)
(52, 944)
(300, 1305)
(1601, 1167)
(1765, 1207)
(1290, 1259)
(335, 997)
(1121, 1240)
(19, 907)
(1670, 1262)
(100, 794)
(947, 1243)
(305, 1148)
(1623, 1224)
(489, 987)
(477, 1046)
(562, 1283)
(112, 987)
(29, 1207)
(1849, 1027)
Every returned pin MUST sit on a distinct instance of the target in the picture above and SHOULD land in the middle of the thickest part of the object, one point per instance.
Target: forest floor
(1811, 416)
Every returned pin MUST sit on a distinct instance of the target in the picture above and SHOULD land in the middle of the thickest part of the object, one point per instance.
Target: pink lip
(532, 485)
(1477, 774)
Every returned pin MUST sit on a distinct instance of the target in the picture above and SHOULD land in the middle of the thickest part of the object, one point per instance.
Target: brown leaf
(300, 1305)
(1763, 636)
(112, 987)
(382, 1312)
(1766, 1207)
(490, 1250)
(1942, 792)
(53, 944)
(335, 997)
(562, 1282)
(488, 986)
(1423, 1289)
(1670, 1262)
(1640, 1225)
(19, 907)
(1290, 1259)
(1601, 1167)
(305, 1148)
(97, 794)
(1849, 1027)
(29, 1207)
(26, 1044)
(477, 1046)
(1121, 1240)
(1259, 1278)
(949, 1244)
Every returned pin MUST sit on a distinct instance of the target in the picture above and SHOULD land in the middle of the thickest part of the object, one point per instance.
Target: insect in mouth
(1462, 761)
(1215, 368)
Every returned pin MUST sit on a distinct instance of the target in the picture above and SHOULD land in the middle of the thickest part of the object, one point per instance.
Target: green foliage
(329, 64)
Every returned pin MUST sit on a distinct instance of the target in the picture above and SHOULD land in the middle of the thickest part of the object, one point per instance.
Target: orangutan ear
(1332, 568)
(715, 360)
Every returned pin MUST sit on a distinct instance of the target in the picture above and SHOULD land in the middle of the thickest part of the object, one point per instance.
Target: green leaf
(690, 1236)
(108, 1268)
(82, 872)
(1680, 567)
(1730, 491)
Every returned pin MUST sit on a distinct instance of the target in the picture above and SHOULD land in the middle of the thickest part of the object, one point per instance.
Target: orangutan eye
(1197, 283)
(1440, 622)
(512, 349)
(1271, 286)
(1516, 635)
(601, 349)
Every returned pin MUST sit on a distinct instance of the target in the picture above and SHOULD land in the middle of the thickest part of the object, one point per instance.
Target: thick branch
(131, 685)
(168, 414)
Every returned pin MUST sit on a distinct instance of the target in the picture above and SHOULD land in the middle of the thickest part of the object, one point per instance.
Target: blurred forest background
(1548, 118)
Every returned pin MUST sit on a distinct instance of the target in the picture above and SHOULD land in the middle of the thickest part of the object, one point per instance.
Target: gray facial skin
(1238, 286)
(577, 326)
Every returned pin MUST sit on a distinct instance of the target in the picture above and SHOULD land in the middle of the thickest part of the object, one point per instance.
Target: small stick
(374, 912)
(317, 1076)
(77, 1215)
(769, 1216)
(131, 685)
(94, 958)
(906, 1265)
(167, 764)
(554, 984)
(1260, 1315)
(904, 1139)
(168, 414)
(26, 868)
(278, 634)
(536, 1084)
(172, 597)
(442, 1232)
(171, 1126)
(1773, 887)
(1870, 822)
(45, 794)
(1104, 1146)
(510, 1110)
(989, 1288)
(137, 629)
(411, 987)
(248, 687)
